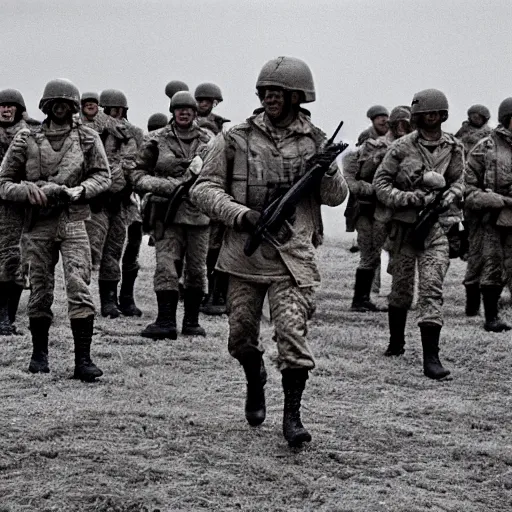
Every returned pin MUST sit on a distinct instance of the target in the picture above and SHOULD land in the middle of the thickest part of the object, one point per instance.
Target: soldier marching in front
(489, 200)
(245, 168)
(417, 168)
(170, 158)
(56, 171)
(12, 108)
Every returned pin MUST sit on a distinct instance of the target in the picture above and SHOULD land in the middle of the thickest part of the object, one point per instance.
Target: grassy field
(164, 428)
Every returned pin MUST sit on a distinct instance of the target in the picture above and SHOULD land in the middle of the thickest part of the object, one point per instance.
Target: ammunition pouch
(155, 209)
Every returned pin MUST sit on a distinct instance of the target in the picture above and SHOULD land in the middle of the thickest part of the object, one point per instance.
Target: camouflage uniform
(251, 150)
(396, 179)
(469, 135)
(212, 122)
(489, 201)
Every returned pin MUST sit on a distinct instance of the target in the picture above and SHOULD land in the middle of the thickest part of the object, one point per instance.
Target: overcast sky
(361, 52)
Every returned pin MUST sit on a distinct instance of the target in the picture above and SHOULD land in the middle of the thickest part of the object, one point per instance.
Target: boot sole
(298, 440)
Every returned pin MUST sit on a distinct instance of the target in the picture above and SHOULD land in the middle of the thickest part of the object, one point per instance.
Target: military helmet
(60, 89)
(183, 99)
(400, 113)
(208, 90)
(175, 86)
(156, 121)
(505, 110)
(113, 98)
(90, 96)
(288, 73)
(13, 96)
(429, 100)
(481, 110)
(375, 111)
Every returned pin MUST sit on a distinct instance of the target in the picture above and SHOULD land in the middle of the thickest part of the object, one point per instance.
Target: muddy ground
(164, 428)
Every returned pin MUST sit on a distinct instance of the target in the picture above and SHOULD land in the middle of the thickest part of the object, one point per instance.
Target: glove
(75, 193)
(36, 196)
(249, 221)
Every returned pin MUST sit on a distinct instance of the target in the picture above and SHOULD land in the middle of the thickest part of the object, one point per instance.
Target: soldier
(208, 96)
(107, 225)
(12, 108)
(157, 121)
(371, 232)
(475, 128)
(242, 172)
(169, 159)
(489, 200)
(416, 168)
(56, 171)
(175, 86)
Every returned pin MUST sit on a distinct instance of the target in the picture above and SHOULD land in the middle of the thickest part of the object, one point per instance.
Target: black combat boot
(85, 369)
(216, 305)
(472, 299)
(397, 319)
(432, 366)
(192, 301)
(108, 298)
(6, 328)
(39, 328)
(294, 382)
(126, 300)
(256, 375)
(165, 324)
(362, 288)
(491, 296)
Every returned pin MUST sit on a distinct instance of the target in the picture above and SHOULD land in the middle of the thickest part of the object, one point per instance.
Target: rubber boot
(85, 369)
(472, 299)
(108, 299)
(192, 301)
(126, 301)
(14, 301)
(294, 382)
(256, 375)
(165, 324)
(39, 328)
(491, 296)
(362, 288)
(397, 319)
(432, 366)
(6, 328)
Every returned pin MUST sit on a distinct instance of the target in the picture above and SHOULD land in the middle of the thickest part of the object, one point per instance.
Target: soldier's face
(183, 117)
(61, 112)
(402, 128)
(274, 103)
(90, 109)
(477, 120)
(204, 106)
(116, 112)
(430, 120)
(7, 113)
(380, 123)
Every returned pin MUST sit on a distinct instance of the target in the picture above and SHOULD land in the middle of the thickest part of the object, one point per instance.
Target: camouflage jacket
(402, 169)
(244, 169)
(7, 134)
(489, 169)
(162, 165)
(212, 122)
(81, 160)
(469, 135)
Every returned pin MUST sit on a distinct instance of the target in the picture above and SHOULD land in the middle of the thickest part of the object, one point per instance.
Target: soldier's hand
(416, 198)
(494, 201)
(448, 198)
(75, 193)
(36, 196)
(249, 221)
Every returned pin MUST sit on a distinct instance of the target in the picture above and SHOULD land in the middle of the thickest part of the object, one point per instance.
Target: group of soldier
(86, 184)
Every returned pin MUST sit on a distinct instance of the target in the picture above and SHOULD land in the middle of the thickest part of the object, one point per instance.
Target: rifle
(426, 220)
(283, 208)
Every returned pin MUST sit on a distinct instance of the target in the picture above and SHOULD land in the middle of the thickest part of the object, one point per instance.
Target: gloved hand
(249, 221)
(51, 190)
(36, 196)
(75, 193)
(19, 142)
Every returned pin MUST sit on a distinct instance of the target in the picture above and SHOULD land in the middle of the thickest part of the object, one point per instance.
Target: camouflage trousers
(290, 308)
(496, 243)
(42, 246)
(11, 226)
(475, 260)
(179, 242)
(107, 234)
(433, 263)
(371, 236)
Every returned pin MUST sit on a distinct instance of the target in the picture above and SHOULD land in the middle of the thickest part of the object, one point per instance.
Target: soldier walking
(417, 168)
(170, 158)
(242, 172)
(55, 171)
